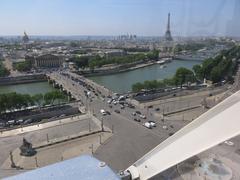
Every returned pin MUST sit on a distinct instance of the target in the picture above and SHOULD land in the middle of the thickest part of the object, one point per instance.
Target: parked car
(11, 122)
(62, 115)
(2, 124)
(19, 121)
(134, 114)
(157, 109)
(28, 121)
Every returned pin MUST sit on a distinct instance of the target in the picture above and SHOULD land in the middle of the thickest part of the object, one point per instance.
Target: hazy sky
(114, 17)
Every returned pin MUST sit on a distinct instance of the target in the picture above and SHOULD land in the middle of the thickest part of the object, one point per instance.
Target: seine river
(122, 82)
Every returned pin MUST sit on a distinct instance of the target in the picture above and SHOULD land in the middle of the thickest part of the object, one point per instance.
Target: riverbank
(116, 69)
(31, 78)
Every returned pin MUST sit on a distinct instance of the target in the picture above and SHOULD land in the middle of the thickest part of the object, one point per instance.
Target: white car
(142, 116)
(147, 125)
(103, 112)
(164, 127)
(109, 101)
(115, 102)
(152, 123)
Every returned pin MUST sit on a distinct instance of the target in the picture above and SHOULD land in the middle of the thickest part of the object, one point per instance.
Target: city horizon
(117, 35)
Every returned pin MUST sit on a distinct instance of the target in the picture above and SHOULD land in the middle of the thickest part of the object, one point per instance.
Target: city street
(130, 139)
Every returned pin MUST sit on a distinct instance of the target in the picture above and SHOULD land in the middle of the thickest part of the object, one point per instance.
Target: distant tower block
(168, 36)
(25, 38)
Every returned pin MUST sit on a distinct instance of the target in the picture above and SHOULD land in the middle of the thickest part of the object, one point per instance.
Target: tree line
(3, 71)
(182, 76)
(97, 61)
(12, 101)
(22, 66)
(222, 67)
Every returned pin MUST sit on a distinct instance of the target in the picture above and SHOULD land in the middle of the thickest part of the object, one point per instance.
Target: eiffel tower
(168, 36)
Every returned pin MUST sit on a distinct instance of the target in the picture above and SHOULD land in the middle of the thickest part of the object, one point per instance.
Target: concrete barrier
(181, 110)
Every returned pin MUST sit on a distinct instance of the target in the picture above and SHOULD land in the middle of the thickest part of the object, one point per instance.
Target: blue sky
(114, 17)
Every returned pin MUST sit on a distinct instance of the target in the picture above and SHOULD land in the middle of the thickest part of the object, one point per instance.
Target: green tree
(198, 71)
(38, 99)
(23, 66)
(3, 71)
(183, 75)
(215, 74)
(50, 97)
(137, 87)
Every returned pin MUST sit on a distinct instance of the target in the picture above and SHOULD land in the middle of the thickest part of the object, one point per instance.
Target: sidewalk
(42, 126)
(58, 152)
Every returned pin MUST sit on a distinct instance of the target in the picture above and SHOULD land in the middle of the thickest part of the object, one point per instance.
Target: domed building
(25, 38)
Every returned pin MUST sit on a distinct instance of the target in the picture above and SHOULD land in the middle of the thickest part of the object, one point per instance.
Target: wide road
(131, 139)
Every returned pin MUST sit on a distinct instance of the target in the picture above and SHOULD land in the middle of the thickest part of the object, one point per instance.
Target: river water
(122, 82)
(29, 88)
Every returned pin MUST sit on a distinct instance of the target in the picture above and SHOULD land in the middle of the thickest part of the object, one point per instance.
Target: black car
(138, 112)
(157, 109)
(117, 111)
(131, 106)
(138, 120)
(108, 113)
(28, 121)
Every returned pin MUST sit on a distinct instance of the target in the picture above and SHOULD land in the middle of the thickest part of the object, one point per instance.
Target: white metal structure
(213, 127)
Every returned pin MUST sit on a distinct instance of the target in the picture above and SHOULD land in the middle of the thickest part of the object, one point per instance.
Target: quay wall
(22, 79)
(122, 68)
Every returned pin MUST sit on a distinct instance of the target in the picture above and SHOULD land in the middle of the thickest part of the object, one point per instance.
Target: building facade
(45, 61)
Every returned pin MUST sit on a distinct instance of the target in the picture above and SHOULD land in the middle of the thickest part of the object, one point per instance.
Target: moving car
(142, 116)
(109, 101)
(153, 124)
(138, 120)
(116, 111)
(103, 112)
(147, 125)
(138, 112)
